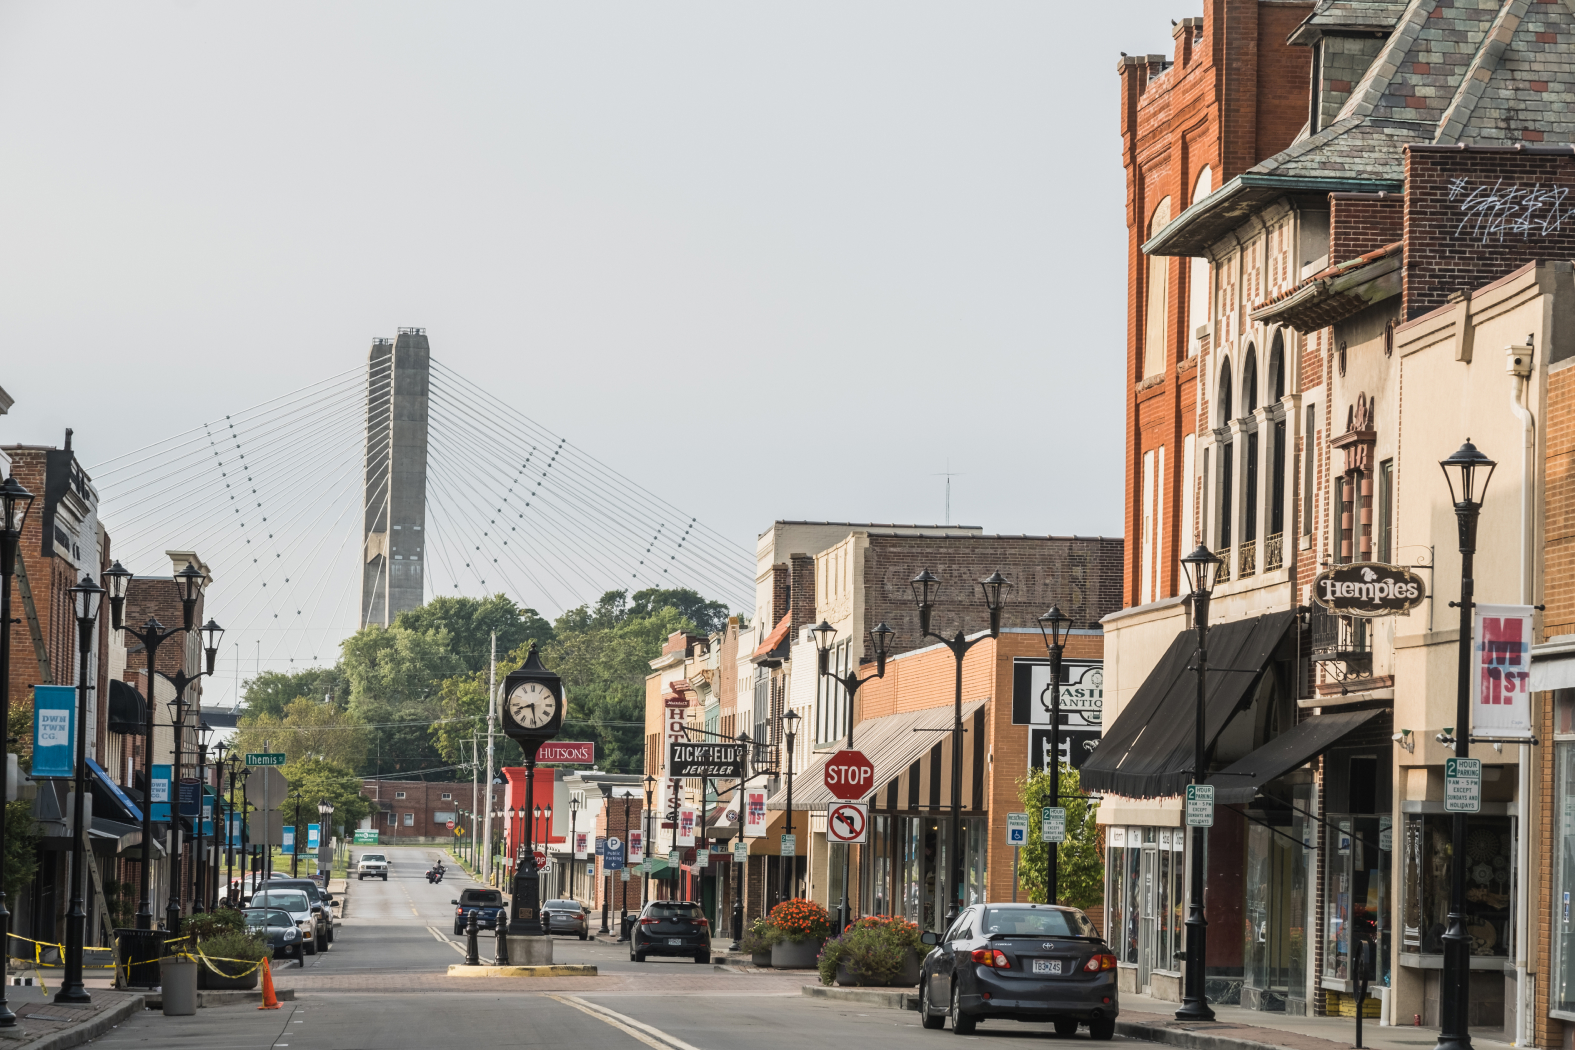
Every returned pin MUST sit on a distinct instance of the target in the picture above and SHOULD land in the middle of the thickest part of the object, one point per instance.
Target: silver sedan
(566, 916)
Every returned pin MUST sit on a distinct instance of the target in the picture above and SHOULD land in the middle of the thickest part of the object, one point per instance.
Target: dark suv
(488, 906)
(671, 928)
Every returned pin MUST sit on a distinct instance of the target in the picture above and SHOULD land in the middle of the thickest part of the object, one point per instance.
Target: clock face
(532, 705)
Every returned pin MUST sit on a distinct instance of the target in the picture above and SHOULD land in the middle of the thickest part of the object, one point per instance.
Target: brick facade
(423, 803)
(1363, 222)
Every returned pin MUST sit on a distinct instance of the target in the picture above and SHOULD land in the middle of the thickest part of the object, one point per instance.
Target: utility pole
(492, 723)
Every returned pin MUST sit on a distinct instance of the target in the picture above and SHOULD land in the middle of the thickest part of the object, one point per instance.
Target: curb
(1156, 1033)
(87, 1030)
(461, 970)
(891, 998)
(221, 997)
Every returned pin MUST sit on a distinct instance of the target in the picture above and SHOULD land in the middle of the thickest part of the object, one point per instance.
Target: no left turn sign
(846, 822)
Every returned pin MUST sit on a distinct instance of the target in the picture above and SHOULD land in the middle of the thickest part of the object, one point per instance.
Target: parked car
(374, 865)
(299, 905)
(566, 916)
(280, 929)
(488, 905)
(1023, 962)
(671, 928)
(321, 901)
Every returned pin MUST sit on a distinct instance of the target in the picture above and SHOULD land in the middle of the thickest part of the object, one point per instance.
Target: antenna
(949, 474)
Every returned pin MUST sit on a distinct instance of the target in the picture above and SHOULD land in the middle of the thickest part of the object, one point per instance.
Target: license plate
(675, 940)
(1050, 966)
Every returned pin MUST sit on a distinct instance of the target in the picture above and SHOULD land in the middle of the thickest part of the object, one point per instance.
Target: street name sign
(790, 846)
(846, 822)
(849, 775)
(1463, 785)
(1200, 805)
(1017, 829)
(1053, 824)
(265, 758)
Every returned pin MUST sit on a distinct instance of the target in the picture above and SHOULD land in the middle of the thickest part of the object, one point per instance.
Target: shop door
(1149, 878)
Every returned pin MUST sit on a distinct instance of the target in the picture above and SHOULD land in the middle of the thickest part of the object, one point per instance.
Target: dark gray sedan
(566, 916)
(283, 935)
(1020, 962)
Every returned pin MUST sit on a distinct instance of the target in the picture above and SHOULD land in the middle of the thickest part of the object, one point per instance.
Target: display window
(1358, 850)
(1562, 956)
(1490, 901)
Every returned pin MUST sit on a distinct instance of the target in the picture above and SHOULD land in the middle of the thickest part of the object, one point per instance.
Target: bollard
(501, 957)
(1365, 973)
(471, 957)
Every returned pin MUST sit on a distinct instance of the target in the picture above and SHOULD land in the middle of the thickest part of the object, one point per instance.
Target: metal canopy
(1240, 781)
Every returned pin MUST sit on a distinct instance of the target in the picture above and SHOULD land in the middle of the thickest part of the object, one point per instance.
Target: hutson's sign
(1368, 588)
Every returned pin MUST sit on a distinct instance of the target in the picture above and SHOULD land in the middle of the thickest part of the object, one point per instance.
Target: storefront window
(1115, 864)
(1133, 909)
(877, 869)
(975, 831)
(1426, 900)
(1562, 990)
(1357, 893)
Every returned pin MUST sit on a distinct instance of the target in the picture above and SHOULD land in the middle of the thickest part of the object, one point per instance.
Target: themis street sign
(265, 758)
(849, 775)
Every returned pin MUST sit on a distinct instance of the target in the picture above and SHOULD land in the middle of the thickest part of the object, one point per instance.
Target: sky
(789, 260)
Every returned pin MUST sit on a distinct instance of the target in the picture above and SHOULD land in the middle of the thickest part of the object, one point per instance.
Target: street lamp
(1464, 465)
(1054, 626)
(199, 855)
(325, 809)
(85, 598)
(295, 835)
(880, 637)
(14, 503)
(790, 720)
(574, 842)
(645, 883)
(1200, 568)
(927, 588)
(212, 889)
(238, 771)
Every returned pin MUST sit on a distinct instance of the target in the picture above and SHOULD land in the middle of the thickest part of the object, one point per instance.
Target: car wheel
(331, 935)
(1102, 1028)
(1066, 1028)
(300, 955)
(310, 947)
(703, 957)
(385, 877)
(459, 931)
(361, 878)
(321, 943)
(962, 1023)
(927, 1016)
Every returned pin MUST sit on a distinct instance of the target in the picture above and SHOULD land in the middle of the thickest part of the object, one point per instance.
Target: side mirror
(454, 902)
(929, 938)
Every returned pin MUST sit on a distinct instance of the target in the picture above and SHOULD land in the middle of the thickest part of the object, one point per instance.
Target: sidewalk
(1235, 1028)
(43, 1025)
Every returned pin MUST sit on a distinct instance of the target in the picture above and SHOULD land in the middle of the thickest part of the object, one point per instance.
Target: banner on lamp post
(54, 718)
(1502, 659)
(635, 842)
(754, 813)
(685, 832)
(582, 844)
(159, 794)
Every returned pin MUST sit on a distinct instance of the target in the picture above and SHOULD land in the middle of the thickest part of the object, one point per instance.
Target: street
(383, 986)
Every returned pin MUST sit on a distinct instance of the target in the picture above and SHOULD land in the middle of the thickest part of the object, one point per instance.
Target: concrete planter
(207, 979)
(907, 978)
(761, 959)
(795, 955)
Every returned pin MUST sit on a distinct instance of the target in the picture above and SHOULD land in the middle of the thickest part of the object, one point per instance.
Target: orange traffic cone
(270, 1002)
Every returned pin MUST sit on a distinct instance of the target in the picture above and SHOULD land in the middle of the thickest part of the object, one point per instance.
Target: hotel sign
(1368, 588)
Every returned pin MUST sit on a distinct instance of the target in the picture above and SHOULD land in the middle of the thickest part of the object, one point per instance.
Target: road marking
(638, 1029)
(444, 940)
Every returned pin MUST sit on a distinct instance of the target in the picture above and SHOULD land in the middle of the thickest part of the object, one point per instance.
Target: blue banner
(159, 796)
(54, 722)
(191, 789)
(237, 831)
(311, 836)
(288, 849)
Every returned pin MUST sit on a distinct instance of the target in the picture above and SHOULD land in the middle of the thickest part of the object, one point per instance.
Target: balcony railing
(1340, 640)
(1224, 554)
(1272, 552)
(1247, 555)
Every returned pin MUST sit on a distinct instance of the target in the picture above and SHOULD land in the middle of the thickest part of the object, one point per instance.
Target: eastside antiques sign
(1368, 588)
(1082, 701)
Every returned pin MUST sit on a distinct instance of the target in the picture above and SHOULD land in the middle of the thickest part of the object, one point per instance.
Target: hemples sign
(1368, 588)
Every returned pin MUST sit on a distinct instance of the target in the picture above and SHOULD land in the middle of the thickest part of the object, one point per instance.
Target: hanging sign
(686, 829)
(190, 790)
(790, 845)
(702, 858)
(582, 844)
(719, 761)
(754, 813)
(159, 794)
(1200, 805)
(613, 854)
(54, 719)
(635, 841)
(313, 830)
(1368, 588)
(362, 836)
(567, 752)
(675, 858)
(601, 845)
(288, 847)
(1501, 653)
(741, 852)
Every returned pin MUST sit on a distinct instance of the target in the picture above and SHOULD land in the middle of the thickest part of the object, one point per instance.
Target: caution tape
(37, 960)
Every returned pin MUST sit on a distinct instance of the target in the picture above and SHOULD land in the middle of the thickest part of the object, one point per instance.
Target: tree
(470, 623)
(272, 691)
(707, 616)
(307, 728)
(317, 779)
(395, 674)
(1080, 862)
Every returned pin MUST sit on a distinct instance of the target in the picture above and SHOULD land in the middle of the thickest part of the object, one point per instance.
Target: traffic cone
(270, 1002)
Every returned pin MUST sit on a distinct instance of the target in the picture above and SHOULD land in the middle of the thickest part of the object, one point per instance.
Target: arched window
(1250, 380)
(1225, 391)
(1156, 297)
(1227, 467)
(1278, 368)
(1197, 277)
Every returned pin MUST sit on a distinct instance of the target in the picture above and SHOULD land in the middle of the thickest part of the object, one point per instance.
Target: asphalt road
(383, 986)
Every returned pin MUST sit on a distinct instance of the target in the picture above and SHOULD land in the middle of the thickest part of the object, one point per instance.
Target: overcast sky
(785, 260)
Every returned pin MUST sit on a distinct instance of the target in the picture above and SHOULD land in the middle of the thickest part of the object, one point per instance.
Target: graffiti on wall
(1492, 212)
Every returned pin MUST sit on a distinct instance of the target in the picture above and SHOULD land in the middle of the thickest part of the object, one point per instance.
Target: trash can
(137, 957)
(625, 924)
(179, 978)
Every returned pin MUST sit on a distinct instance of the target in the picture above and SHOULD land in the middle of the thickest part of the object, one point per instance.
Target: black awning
(128, 712)
(1240, 781)
(1148, 751)
(110, 800)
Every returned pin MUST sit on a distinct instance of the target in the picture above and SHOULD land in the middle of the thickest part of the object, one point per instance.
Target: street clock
(533, 704)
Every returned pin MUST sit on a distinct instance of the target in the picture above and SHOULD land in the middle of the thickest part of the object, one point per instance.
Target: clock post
(533, 713)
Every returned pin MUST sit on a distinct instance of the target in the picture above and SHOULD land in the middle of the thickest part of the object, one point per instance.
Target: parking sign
(1017, 829)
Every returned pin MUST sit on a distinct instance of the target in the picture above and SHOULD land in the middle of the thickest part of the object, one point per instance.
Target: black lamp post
(179, 707)
(189, 582)
(295, 829)
(1200, 568)
(645, 882)
(240, 772)
(211, 891)
(325, 810)
(880, 636)
(791, 867)
(1054, 626)
(85, 598)
(927, 588)
(199, 855)
(1466, 462)
(574, 844)
(738, 867)
(14, 503)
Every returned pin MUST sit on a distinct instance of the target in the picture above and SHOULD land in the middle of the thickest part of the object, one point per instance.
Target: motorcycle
(435, 875)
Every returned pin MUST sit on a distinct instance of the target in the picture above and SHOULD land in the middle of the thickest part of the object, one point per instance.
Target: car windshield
(674, 911)
(308, 888)
(563, 905)
(380, 858)
(482, 897)
(268, 917)
(290, 900)
(1037, 922)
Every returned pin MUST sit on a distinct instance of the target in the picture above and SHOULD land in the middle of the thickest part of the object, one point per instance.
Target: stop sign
(450, 825)
(849, 775)
(541, 859)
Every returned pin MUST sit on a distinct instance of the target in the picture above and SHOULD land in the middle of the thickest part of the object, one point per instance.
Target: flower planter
(208, 980)
(761, 959)
(908, 977)
(795, 955)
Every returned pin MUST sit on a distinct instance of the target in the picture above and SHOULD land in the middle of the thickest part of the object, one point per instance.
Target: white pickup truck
(375, 865)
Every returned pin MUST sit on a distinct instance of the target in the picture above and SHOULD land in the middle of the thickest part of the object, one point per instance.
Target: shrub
(212, 924)
(235, 944)
(757, 939)
(875, 949)
(799, 920)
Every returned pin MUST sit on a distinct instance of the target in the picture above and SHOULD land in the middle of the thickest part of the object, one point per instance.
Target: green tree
(1080, 862)
(707, 616)
(272, 691)
(395, 675)
(21, 848)
(317, 779)
(307, 727)
(470, 623)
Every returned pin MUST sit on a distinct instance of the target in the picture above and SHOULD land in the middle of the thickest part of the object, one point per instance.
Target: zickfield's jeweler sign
(1369, 588)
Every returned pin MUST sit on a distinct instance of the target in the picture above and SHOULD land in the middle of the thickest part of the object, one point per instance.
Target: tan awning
(912, 755)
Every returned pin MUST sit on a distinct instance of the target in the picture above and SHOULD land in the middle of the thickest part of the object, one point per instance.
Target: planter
(795, 955)
(761, 959)
(208, 980)
(908, 977)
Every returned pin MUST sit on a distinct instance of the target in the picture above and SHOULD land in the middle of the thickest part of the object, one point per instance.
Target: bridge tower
(394, 498)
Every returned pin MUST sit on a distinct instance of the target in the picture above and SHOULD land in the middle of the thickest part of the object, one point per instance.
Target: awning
(110, 798)
(128, 712)
(1148, 751)
(912, 757)
(773, 641)
(1241, 780)
(124, 836)
(1553, 665)
(1336, 293)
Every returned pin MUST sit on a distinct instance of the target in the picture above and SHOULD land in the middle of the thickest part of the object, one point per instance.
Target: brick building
(419, 810)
